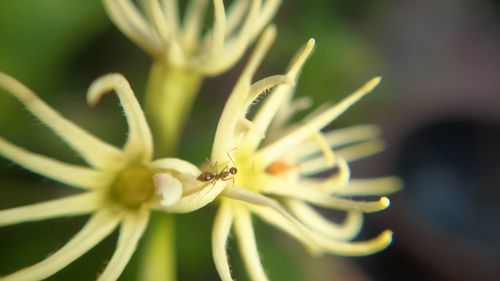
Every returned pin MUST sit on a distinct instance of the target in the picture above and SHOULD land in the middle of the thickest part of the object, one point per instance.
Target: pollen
(133, 187)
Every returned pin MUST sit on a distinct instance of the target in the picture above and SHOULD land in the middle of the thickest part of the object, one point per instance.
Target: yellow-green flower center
(133, 186)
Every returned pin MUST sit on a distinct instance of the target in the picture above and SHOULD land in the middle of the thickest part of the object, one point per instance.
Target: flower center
(133, 186)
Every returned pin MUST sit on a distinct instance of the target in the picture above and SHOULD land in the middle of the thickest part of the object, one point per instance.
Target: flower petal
(193, 20)
(168, 188)
(339, 137)
(218, 34)
(235, 106)
(132, 228)
(350, 153)
(320, 198)
(139, 142)
(197, 200)
(68, 206)
(95, 151)
(220, 235)
(347, 230)
(273, 218)
(73, 175)
(129, 20)
(177, 165)
(357, 248)
(157, 19)
(95, 230)
(247, 244)
(250, 197)
(370, 187)
(271, 152)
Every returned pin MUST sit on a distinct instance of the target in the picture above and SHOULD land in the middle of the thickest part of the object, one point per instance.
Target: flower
(120, 186)
(182, 45)
(275, 179)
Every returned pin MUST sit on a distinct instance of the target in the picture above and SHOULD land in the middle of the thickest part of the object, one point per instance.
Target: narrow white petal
(266, 14)
(263, 86)
(274, 150)
(236, 14)
(275, 219)
(97, 228)
(168, 188)
(218, 34)
(272, 104)
(238, 43)
(68, 206)
(93, 150)
(357, 248)
(73, 175)
(233, 110)
(344, 231)
(323, 200)
(193, 20)
(245, 125)
(339, 137)
(157, 18)
(332, 183)
(350, 153)
(177, 165)
(128, 19)
(171, 12)
(370, 187)
(250, 197)
(197, 200)
(247, 244)
(131, 230)
(139, 142)
(220, 235)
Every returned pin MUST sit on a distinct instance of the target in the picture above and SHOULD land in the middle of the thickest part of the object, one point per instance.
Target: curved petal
(157, 19)
(321, 199)
(197, 200)
(128, 19)
(344, 231)
(177, 165)
(139, 142)
(133, 226)
(339, 137)
(193, 20)
(357, 248)
(168, 188)
(224, 136)
(69, 174)
(370, 187)
(69, 206)
(278, 221)
(317, 164)
(247, 244)
(220, 235)
(97, 228)
(93, 150)
(270, 153)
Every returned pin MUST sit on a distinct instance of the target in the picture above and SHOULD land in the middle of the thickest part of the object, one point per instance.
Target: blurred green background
(438, 105)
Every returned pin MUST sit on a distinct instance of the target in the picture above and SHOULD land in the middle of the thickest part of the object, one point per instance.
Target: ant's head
(233, 170)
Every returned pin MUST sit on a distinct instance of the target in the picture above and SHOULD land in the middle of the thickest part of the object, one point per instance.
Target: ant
(225, 175)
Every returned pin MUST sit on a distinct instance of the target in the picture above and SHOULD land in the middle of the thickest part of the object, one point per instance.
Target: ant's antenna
(230, 155)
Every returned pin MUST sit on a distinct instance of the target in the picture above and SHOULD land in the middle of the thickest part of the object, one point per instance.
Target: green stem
(169, 98)
(158, 260)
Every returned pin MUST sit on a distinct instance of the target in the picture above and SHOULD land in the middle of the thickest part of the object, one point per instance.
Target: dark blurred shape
(446, 218)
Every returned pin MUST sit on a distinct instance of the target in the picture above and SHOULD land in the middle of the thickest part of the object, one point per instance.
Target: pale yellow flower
(119, 187)
(274, 180)
(159, 30)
